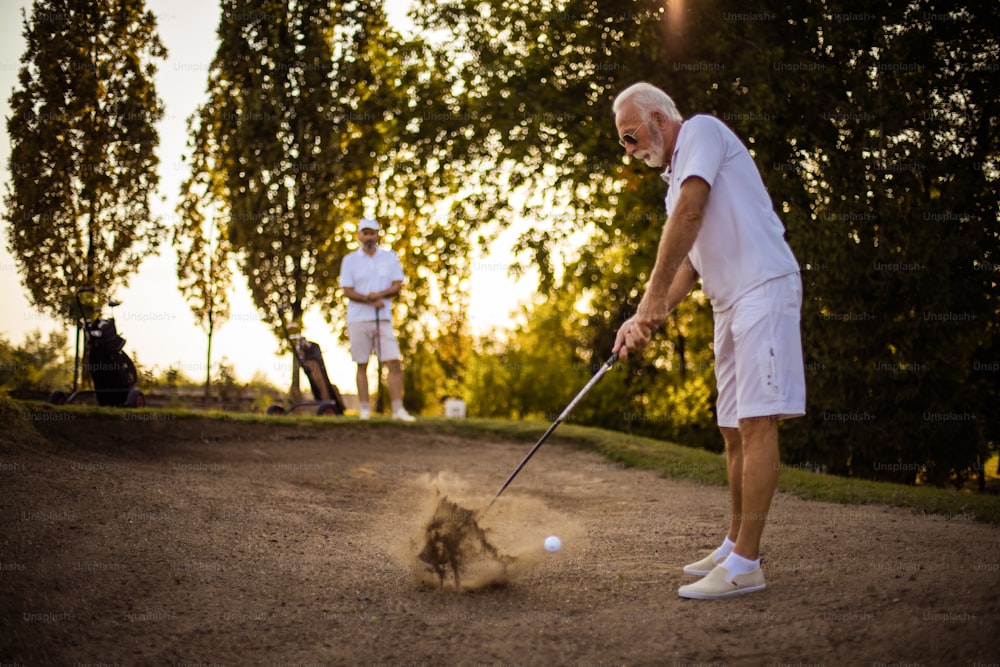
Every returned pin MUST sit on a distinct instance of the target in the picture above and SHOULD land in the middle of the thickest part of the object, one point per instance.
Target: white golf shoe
(403, 415)
(705, 565)
(718, 584)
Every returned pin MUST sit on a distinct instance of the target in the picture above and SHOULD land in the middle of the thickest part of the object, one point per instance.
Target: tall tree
(266, 137)
(318, 114)
(204, 253)
(83, 135)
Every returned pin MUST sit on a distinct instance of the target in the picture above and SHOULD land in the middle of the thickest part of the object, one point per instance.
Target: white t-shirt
(367, 274)
(741, 244)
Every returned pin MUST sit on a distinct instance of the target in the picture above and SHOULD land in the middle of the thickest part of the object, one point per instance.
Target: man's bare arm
(683, 283)
(673, 276)
(374, 298)
(355, 295)
(678, 238)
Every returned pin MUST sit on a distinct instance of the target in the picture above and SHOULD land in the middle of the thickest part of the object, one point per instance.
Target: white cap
(367, 223)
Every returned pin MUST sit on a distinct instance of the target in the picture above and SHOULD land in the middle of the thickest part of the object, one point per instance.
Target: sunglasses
(628, 139)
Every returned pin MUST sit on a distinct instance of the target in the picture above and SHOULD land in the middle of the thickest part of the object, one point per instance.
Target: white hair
(647, 99)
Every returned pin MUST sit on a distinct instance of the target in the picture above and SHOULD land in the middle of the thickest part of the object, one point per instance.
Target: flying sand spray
(453, 536)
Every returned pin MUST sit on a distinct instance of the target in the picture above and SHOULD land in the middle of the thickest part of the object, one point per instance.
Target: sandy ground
(154, 541)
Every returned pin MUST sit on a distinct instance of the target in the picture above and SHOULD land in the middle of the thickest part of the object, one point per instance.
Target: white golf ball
(553, 544)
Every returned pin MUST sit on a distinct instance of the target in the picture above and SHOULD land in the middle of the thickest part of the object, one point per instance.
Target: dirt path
(201, 543)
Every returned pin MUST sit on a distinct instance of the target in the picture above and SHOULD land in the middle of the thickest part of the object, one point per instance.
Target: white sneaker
(403, 415)
(705, 565)
(365, 414)
(717, 584)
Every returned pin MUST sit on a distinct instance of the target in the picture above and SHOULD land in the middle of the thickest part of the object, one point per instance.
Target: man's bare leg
(395, 380)
(752, 462)
(363, 397)
(734, 471)
(760, 462)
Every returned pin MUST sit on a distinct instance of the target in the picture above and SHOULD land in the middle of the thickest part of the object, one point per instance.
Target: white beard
(653, 156)
(650, 161)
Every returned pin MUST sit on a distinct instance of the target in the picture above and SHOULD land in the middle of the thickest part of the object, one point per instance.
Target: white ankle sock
(737, 564)
(725, 549)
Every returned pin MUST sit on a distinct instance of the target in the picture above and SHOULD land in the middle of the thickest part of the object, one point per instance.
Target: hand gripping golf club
(565, 413)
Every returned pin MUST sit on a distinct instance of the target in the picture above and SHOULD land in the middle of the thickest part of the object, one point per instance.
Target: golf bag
(112, 370)
(311, 360)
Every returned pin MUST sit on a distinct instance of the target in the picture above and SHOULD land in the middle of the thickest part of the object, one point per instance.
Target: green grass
(668, 459)
(678, 462)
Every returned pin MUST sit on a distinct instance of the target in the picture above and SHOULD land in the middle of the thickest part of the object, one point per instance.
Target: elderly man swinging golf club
(721, 227)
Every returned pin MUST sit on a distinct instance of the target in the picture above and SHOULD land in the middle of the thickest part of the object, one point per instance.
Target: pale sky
(154, 318)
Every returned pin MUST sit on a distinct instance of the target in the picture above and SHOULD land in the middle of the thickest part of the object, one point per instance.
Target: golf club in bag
(565, 413)
(112, 371)
(310, 359)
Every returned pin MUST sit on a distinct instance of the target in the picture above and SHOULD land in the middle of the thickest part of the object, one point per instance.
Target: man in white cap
(370, 276)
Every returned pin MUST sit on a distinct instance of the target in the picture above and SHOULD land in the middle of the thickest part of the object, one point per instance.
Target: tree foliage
(83, 139)
(319, 114)
(876, 133)
(39, 364)
(534, 374)
(265, 146)
(900, 240)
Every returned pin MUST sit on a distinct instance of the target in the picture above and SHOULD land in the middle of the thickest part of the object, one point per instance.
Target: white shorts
(758, 354)
(364, 343)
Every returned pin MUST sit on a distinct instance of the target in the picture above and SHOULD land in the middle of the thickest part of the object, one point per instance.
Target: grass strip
(675, 461)
(670, 460)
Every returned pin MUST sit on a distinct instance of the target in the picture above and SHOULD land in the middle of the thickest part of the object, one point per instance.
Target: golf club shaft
(565, 413)
(378, 357)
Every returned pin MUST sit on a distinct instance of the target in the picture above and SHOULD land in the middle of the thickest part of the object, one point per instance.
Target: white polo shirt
(741, 244)
(367, 274)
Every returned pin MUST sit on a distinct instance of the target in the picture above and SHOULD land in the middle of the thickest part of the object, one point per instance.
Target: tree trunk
(208, 361)
(76, 359)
